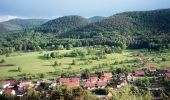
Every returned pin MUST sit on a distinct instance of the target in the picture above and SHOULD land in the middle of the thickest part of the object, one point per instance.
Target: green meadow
(34, 63)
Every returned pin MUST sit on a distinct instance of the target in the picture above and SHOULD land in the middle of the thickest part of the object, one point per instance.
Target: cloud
(6, 18)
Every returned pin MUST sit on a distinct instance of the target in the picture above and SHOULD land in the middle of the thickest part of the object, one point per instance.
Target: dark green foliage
(135, 30)
(100, 91)
(63, 24)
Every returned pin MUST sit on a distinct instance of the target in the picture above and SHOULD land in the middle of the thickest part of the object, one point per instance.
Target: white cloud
(6, 18)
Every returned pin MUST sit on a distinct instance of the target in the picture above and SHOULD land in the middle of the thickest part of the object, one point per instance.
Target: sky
(50, 9)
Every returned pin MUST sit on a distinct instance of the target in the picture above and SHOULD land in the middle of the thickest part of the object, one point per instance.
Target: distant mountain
(63, 24)
(96, 18)
(18, 24)
(138, 22)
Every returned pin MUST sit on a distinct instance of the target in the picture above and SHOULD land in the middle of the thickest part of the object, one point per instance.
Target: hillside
(139, 22)
(133, 30)
(18, 24)
(63, 24)
(96, 18)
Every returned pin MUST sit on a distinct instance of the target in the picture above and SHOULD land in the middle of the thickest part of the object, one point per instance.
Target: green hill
(96, 18)
(139, 22)
(63, 24)
(18, 24)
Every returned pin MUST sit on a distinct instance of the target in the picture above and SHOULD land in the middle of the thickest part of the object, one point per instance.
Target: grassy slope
(34, 63)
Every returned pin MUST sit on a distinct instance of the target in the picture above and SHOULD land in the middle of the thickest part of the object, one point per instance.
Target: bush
(19, 69)
(2, 61)
(100, 91)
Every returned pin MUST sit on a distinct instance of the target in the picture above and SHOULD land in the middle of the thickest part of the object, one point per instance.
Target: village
(94, 81)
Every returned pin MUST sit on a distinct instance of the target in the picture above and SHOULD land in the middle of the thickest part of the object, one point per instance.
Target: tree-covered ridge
(96, 18)
(63, 24)
(18, 24)
(138, 22)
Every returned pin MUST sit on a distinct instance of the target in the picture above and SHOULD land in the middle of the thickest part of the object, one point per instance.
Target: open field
(34, 63)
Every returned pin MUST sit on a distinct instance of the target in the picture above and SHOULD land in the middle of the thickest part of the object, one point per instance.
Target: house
(167, 75)
(75, 79)
(63, 81)
(130, 76)
(121, 83)
(9, 91)
(139, 73)
(89, 85)
(108, 74)
(93, 79)
(122, 76)
(101, 84)
(7, 84)
(167, 69)
(73, 84)
(25, 84)
(151, 68)
(70, 82)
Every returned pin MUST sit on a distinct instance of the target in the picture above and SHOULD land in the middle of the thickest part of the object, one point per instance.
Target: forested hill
(96, 18)
(63, 24)
(138, 22)
(18, 24)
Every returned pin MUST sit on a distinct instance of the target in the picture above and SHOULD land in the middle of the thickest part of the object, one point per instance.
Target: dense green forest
(134, 30)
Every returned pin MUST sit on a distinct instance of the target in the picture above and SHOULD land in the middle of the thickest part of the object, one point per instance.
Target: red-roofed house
(73, 84)
(167, 69)
(107, 74)
(75, 79)
(89, 85)
(101, 84)
(167, 75)
(6, 84)
(25, 84)
(63, 81)
(139, 73)
(9, 91)
(151, 67)
(93, 79)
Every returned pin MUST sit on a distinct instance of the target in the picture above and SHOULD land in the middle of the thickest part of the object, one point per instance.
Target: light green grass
(33, 63)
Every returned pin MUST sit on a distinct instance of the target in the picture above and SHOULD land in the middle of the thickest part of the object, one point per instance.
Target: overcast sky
(55, 8)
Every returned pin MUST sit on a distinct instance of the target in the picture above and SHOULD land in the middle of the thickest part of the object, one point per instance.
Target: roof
(89, 84)
(167, 75)
(72, 84)
(139, 73)
(8, 91)
(107, 74)
(151, 67)
(75, 79)
(101, 83)
(93, 79)
(11, 82)
(64, 80)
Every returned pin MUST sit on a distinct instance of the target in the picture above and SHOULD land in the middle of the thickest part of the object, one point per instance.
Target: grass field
(34, 63)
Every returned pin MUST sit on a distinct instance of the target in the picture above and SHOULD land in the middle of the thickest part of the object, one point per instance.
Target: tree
(19, 69)
(73, 62)
(85, 74)
(126, 93)
(2, 61)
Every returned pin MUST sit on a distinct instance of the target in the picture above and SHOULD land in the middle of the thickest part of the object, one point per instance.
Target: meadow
(34, 63)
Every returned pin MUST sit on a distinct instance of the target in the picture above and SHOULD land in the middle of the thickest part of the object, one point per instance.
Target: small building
(151, 68)
(107, 74)
(7, 84)
(25, 85)
(139, 73)
(89, 85)
(9, 91)
(101, 84)
(63, 81)
(167, 75)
